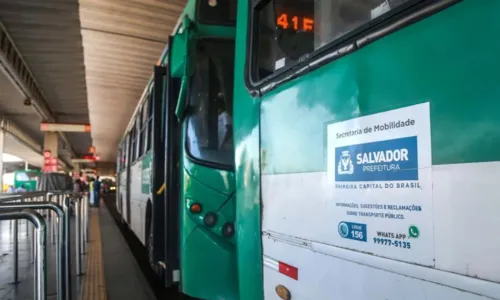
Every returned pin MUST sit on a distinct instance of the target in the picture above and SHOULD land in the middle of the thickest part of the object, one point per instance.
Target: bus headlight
(228, 229)
(210, 219)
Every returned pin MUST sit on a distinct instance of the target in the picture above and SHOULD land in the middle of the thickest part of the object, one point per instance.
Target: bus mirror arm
(181, 108)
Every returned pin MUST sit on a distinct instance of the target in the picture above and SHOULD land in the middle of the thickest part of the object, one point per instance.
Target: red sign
(91, 157)
(49, 162)
(65, 127)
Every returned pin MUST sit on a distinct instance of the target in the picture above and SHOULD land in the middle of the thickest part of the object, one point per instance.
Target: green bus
(363, 163)
(367, 145)
(176, 159)
(27, 179)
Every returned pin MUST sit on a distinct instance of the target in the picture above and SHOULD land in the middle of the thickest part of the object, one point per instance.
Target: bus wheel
(122, 217)
(155, 266)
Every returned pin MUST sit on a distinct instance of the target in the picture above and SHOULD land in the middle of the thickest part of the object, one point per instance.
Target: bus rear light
(288, 270)
(210, 219)
(195, 208)
(228, 229)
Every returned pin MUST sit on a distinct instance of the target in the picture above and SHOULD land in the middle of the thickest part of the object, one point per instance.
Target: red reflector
(288, 270)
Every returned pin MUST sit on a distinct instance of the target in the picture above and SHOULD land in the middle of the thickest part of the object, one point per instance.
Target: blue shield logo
(389, 160)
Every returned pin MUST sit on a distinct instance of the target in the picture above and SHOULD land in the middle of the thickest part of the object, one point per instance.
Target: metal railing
(57, 206)
(41, 236)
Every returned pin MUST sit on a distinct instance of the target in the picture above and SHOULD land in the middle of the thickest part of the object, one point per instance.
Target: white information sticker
(380, 167)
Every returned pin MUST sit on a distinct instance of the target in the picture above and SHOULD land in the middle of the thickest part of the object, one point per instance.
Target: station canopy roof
(89, 62)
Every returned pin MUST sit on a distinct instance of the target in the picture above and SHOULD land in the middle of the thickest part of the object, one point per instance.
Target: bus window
(32, 175)
(22, 176)
(119, 159)
(126, 152)
(132, 145)
(288, 31)
(150, 122)
(138, 137)
(217, 12)
(145, 125)
(209, 130)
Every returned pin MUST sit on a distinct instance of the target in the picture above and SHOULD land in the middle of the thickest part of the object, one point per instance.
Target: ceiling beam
(16, 69)
(24, 138)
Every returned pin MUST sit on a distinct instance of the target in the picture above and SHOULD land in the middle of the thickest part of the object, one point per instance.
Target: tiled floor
(123, 276)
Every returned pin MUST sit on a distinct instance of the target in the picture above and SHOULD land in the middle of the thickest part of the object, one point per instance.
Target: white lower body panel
(323, 276)
(299, 224)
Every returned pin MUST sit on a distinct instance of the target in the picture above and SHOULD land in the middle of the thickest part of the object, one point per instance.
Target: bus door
(127, 177)
(166, 173)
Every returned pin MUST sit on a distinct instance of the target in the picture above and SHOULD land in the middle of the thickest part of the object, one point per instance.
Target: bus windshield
(26, 175)
(210, 131)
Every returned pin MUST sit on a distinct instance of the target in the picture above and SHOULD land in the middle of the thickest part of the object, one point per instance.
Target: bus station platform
(109, 268)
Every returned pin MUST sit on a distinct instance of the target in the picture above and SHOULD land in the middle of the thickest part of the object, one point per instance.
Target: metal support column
(15, 270)
(61, 250)
(2, 141)
(40, 282)
(66, 206)
(78, 232)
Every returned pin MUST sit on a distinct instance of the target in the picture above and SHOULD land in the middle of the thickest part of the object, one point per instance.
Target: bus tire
(157, 269)
(122, 217)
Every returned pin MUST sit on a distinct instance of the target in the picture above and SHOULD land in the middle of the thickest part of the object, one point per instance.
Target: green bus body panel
(146, 173)
(29, 185)
(208, 259)
(211, 30)
(450, 59)
(179, 50)
(218, 273)
(219, 180)
(247, 175)
(179, 53)
(447, 59)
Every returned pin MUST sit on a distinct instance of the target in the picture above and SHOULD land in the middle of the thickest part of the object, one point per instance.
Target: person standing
(11, 189)
(21, 189)
(91, 191)
(77, 189)
(97, 192)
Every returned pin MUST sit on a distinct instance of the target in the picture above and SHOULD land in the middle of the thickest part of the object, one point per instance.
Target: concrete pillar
(51, 143)
(26, 166)
(2, 139)
(76, 170)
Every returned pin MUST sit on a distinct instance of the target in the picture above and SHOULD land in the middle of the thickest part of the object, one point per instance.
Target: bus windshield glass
(210, 126)
(32, 175)
(288, 31)
(217, 12)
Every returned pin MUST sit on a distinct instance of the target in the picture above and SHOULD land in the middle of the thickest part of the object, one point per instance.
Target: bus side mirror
(181, 108)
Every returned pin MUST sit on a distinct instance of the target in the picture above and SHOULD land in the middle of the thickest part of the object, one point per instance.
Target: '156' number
(358, 235)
